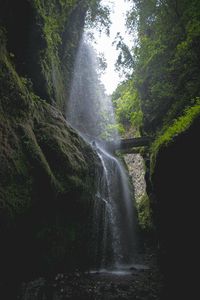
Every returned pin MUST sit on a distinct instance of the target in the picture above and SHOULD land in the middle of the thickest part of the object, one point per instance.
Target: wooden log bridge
(127, 145)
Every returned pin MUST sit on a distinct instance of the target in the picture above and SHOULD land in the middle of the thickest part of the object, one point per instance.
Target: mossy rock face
(169, 133)
(47, 183)
(175, 206)
(42, 38)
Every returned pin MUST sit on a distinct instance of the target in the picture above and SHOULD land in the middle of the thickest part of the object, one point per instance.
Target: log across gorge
(127, 145)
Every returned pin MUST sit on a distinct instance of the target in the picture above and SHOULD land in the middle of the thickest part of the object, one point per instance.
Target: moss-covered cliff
(42, 40)
(47, 173)
(173, 187)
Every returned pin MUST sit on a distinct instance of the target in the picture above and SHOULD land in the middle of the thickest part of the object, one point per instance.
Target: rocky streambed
(140, 285)
(141, 282)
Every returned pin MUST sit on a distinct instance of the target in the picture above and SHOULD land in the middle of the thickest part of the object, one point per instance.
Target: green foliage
(54, 15)
(110, 130)
(127, 106)
(61, 24)
(166, 57)
(97, 16)
(169, 132)
(125, 59)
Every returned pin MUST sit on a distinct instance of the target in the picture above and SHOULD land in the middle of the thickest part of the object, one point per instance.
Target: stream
(90, 112)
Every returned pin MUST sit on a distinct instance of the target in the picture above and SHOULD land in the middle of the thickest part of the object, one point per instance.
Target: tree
(166, 58)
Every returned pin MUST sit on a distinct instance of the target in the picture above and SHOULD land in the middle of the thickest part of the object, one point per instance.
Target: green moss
(14, 96)
(166, 136)
(37, 157)
(54, 14)
(66, 155)
(17, 198)
(52, 17)
(15, 179)
(144, 213)
(49, 56)
(47, 174)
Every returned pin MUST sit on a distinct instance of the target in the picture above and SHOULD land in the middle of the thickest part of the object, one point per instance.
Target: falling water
(90, 112)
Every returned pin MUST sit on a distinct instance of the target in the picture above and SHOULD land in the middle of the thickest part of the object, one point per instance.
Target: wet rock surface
(141, 282)
(135, 164)
(137, 285)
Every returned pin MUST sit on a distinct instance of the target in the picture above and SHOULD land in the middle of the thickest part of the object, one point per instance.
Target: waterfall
(90, 112)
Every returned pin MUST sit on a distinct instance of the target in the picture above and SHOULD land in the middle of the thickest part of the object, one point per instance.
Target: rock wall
(42, 38)
(174, 193)
(136, 168)
(47, 173)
